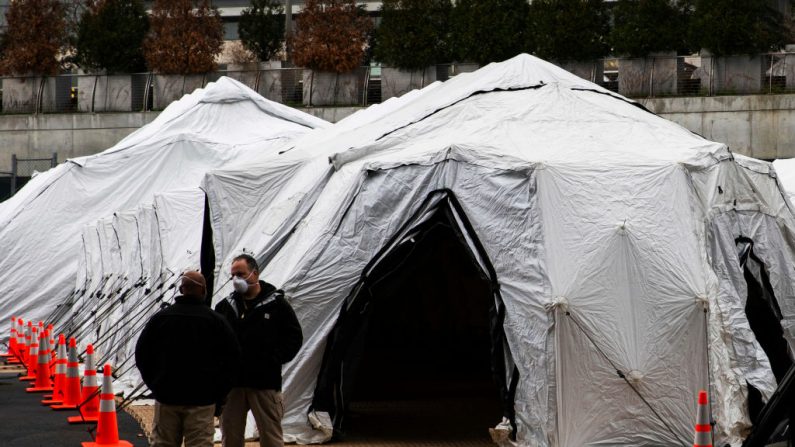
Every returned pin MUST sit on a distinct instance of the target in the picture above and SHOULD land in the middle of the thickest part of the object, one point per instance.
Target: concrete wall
(77, 134)
(331, 114)
(70, 135)
(760, 126)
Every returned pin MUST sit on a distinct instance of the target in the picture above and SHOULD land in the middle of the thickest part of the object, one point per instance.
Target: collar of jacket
(190, 300)
(265, 296)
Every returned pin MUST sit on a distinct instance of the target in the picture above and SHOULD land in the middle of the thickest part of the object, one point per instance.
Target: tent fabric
(612, 234)
(254, 201)
(610, 230)
(785, 171)
(204, 130)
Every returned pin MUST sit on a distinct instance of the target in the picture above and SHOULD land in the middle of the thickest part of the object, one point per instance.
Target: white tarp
(785, 170)
(40, 232)
(178, 221)
(611, 232)
(255, 202)
(607, 227)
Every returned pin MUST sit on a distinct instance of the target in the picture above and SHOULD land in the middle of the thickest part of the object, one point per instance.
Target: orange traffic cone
(12, 340)
(72, 382)
(60, 374)
(703, 428)
(89, 406)
(43, 382)
(28, 340)
(107, 430)
(16, 343)
(33, 355)
(51, 340)
(22, 346)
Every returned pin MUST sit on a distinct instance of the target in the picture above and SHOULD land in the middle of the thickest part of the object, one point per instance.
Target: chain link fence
(665, 76)
(658, 76)
(22, 170)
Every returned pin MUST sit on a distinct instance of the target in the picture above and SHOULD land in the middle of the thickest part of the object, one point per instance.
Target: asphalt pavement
(25, 422)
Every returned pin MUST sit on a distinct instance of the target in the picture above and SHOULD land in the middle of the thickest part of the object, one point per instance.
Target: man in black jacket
(188, 356)
(269, 335)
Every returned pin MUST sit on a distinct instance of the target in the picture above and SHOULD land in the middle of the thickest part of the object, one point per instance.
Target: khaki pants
(268, 409)
(172, 423)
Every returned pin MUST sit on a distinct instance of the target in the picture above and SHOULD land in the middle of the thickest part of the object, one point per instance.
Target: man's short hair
(250, 261)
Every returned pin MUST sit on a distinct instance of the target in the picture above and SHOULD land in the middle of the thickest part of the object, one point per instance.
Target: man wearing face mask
(188, 356)
(269, 335)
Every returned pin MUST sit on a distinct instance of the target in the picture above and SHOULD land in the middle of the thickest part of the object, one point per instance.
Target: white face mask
(240, 284)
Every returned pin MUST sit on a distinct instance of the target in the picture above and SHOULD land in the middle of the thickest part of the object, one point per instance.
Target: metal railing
(22, 170)
(664, 76)
(75, 93)
(658, 76)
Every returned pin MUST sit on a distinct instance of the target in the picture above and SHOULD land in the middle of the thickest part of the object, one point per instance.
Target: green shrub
(110, 36)
(261, 28)
(726, 27)
(641, 27)
(569, 29)
(486, 31)
(413, 33)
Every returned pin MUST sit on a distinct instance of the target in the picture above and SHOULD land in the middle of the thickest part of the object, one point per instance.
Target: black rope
(113, 300)
(111, 331)
(132, 396)
(137, 326)
(138, 317)
(85, 325)
(623, 376)
(98, 294)
(120, 325)
(119, 295)
(59, 309)
(96, 392)
(85, 296)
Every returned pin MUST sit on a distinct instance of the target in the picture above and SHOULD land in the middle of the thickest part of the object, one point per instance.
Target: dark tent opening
(764, 317)
(411, 358)
(207, 255)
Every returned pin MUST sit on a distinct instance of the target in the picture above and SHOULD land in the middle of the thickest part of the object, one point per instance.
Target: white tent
(40, 235)
(169, 229)
(255, 202)
(608, 235)
(785, 170)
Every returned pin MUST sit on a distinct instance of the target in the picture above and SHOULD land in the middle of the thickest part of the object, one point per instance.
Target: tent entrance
(418, 352)
(764, 317)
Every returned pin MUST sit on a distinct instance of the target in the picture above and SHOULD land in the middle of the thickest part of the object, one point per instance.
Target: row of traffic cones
(67, 395)
(57, 371)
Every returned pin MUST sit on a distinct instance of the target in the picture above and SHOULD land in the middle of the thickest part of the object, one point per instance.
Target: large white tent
(150, 246)
(785, 170)
(609, 236)
(40, 231)
(255, 201)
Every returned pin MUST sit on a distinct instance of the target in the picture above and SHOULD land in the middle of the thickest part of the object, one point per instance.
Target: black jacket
(188, 354)
(268, 332)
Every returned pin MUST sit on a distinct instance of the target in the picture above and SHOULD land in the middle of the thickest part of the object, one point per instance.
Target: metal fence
(22, 170)
(642, 77)
(149, 91)
(663, 76)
